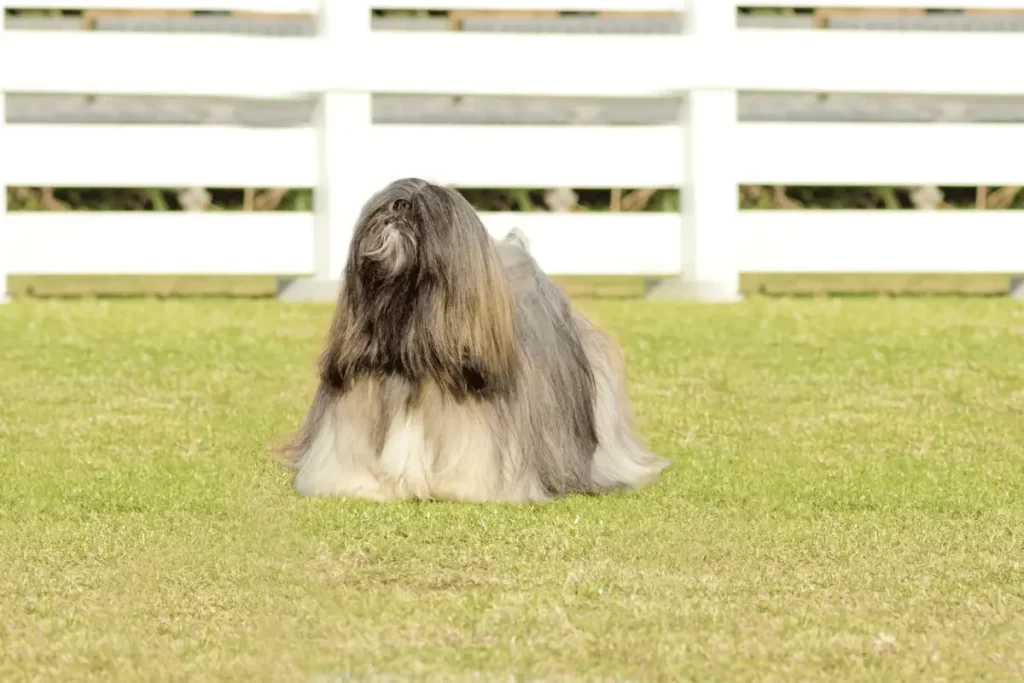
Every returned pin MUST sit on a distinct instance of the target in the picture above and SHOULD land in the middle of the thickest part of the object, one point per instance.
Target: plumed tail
(621, 460)
(519, 239)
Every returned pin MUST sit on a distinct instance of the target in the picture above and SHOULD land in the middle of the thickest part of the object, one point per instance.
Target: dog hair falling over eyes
(455, 369)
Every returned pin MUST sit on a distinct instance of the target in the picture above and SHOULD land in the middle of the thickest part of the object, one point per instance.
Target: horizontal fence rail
(255, 6)
(554, 65)
(344, 156)
(884, 4)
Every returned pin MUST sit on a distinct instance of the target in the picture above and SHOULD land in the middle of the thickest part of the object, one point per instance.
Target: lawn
(846, 502)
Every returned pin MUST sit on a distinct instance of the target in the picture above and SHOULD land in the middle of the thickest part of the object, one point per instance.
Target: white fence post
(4, 238)
(709, 194)
(343, 127)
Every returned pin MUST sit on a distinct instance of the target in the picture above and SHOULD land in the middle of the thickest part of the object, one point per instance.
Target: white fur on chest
(406, 459)
(435, 449)
(442, 452)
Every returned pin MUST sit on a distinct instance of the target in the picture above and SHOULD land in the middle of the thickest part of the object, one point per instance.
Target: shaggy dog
(456, 370)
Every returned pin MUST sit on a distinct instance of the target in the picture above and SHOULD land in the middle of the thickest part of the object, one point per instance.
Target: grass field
(846, 502)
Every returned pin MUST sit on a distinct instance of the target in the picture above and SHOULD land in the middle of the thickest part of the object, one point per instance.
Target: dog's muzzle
(391, 250)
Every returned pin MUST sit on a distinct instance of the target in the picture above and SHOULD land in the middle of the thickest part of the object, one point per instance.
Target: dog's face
(425, 294)
(418, 233)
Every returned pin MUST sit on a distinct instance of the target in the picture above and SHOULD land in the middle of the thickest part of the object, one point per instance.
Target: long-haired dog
(455, 369)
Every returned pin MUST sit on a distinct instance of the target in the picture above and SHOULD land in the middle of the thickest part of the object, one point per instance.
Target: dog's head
(424, 290)
(416, 231)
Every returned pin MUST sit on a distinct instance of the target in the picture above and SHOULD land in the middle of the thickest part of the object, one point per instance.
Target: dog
(455, 370)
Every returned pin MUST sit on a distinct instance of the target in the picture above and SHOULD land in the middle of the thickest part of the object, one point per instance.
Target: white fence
(345, 157)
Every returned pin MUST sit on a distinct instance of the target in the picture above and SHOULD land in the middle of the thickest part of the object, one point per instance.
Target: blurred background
(433, 110)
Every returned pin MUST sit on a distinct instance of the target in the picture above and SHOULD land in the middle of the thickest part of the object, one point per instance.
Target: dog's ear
(518, 238)
(331, 374)
(341, 348)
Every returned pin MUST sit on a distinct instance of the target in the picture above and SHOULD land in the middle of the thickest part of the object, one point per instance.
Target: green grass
(846, 502)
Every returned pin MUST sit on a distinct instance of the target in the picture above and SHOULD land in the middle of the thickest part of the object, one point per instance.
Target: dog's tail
(622, 460)
(517, 237)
